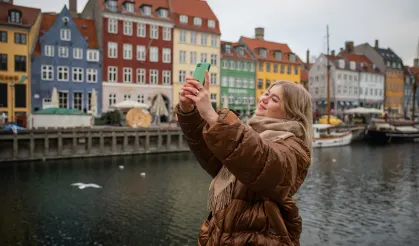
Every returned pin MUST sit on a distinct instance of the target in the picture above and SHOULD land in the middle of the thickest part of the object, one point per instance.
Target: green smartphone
(199, 73)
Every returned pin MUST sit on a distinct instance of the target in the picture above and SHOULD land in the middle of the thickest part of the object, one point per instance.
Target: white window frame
(182, 76)
(141, 98)
(129, 7)
(154, 76)
(167, 75)
(214, 41)
(91, 74)
(112, 74)
(154, 32)
(141, 53)
(167, 33)
(65, 34)
(49, 72)
(127, 75)
(141, 76)
(154, 54)
(211, 23)
(112, 99)
(182, 56)
(163, 13)
(128, 28)
(194, 36)
(197, 21)
(59, 98)
(64, 71)
(182, 36)
(77, 74)
(49, 50)
(204, 39)
(127, 97)
(141, 30)
(112, 25)
(204, 57)
(214, 60)
(213, 79)
(193, 57)
(81, 100)
(224, 81)
(127, 54)
(78, 53)
(63, 51)
(167, 58)
(112, 50)
(93, 55)
(147, 10)
(183, 19)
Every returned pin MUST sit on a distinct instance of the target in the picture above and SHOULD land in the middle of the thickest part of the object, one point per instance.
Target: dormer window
(240, 51)
(163, 13)
(211, 24)
(112, 5)
(129, 6)
(15, 16)
(197, 21)
(183, 19)
(291, 57)
(278, 55)
(227, 49)
(146, 9)
(399, 66)
(262, 52)
(373, 66)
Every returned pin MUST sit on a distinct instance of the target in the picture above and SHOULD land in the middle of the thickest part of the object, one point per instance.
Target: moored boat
(326, 135)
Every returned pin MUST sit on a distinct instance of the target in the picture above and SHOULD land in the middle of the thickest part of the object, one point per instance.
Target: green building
(237, 78)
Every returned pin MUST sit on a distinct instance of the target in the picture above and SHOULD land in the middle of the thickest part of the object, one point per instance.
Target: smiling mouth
(261, 106)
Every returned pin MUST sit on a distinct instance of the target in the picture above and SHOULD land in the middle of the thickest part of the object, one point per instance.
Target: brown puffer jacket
(262, 211)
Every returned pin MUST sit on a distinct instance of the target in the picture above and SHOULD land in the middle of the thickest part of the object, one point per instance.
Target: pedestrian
(256, 168)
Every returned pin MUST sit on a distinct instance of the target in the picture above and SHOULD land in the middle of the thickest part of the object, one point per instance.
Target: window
(154, 76)
(166, 77)
(92, 55)
(224, 82)
(245, 83)
(129, 7)
(260, 84)
(251, 100)
(295, 69)
(238, 83)
(20, 38)
(127, 51)
(112, 99)
(163, 13)
(112, 5)
(112, 50)
(65, 34)
(91, 75)
(154, 54)
(141, 76)
(154, 32)
(182, 56)
(268, 67)
(146, 10)
(193, 57)
(262, 53)
(167, 33)
(77, 74)
(213, 78)
(214, 41)
(203, 57)
(167, 55)
(260, 66)
(127, 97)
(214, 59)
(113, 26)
(275, 68)
(197, 21)
(182, 76)
(193, 37)
(232, 65)
(231, 82)
(141, 98)
(3, 36)
(15, 17)
(141, 30)
(127, 75)
(20, 63)
(292, 57)
(182, 36)
(62, 73)
(204, 38)
(47, 72)
(128, 28)
(63, 99)
(227, 48)
(63, 51)
(3, 62)
(140, 52)
(213, 97)
(211, 24)
(183, 19)
(278, 55)
(78, 100)
(252, 67)
(289, 69)
(268, 83)
(78, 53)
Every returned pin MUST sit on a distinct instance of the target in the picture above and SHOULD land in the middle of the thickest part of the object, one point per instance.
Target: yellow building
(196, 38)
(18, 31)
(275, 61)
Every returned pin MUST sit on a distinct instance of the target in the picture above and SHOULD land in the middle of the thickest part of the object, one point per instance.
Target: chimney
(308, 57)
(73, 7)
(416, 62)
(349, 46)
(332, 53)
(376, 44)
(259, 33)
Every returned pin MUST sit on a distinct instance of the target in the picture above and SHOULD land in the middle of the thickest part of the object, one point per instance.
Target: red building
(136, 40)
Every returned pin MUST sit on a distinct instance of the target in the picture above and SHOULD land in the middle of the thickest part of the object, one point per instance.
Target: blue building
(66, 57)
(410, 79)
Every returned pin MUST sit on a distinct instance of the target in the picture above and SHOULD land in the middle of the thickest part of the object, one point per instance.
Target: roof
(29, 15)
(60, 111)
(194, 8)
(360, 59)
(89, 30)
(415, 70)
(234, 54)
(155, 5)
(254, 44)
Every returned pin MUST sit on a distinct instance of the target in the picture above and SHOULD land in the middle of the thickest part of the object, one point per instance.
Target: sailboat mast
(328, 77)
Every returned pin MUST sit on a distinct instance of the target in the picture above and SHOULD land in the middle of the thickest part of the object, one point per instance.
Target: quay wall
(42, 144)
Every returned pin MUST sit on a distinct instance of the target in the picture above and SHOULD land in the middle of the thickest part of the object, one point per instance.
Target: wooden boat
(326, 135)
(382, 131)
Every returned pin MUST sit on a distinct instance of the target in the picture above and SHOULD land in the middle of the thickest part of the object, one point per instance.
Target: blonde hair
(297, 106)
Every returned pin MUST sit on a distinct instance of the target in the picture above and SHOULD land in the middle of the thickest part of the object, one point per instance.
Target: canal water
(353, 195)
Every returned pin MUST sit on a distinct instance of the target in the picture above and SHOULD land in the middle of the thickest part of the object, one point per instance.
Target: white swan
(82, 185)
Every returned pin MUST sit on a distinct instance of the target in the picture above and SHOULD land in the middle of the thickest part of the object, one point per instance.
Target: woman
(256, 168)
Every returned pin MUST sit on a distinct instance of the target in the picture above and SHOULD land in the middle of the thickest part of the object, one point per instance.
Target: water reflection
(367, 196)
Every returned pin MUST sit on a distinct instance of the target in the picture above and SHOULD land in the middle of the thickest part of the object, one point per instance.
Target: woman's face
(271, 103)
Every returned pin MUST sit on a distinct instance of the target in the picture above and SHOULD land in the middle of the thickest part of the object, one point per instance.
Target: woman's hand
(186, 104)
(201, 98)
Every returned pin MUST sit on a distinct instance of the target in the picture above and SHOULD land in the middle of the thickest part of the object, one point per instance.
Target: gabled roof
(155, 5)
(29, 15)
(234, 54)
(362, 62)
(194, 8)
(388, 55)
(86, 27)
(254, 44)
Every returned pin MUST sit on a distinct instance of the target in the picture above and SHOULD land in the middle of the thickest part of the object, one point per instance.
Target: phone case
(199, 73)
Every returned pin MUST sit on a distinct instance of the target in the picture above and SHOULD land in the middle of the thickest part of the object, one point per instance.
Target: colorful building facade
(275, 61)
(18, 32)
(136, 38)
(67, 58)
(196, 39)
(238, 78)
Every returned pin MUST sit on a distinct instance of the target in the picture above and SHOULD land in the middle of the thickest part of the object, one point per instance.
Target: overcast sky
(302, 23)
